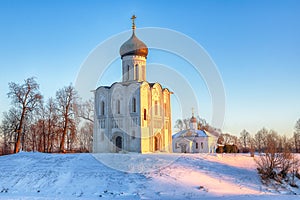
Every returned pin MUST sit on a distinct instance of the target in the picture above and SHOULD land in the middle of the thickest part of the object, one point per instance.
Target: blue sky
(255, 44)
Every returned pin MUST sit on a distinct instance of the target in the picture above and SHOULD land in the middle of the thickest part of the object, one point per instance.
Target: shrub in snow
(277, 165)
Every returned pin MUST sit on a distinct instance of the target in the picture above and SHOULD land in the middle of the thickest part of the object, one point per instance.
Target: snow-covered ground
(133, 176)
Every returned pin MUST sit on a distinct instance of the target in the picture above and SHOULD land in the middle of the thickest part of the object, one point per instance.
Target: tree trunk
(48, 135)
(44, 137)
(296, 142)
(18, 143)
(62, 142)
(33, 140)
(19, 132)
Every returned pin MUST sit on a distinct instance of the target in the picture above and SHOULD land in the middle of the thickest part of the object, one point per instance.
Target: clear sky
(255, 45)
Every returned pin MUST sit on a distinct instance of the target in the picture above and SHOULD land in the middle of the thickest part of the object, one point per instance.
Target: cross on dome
(133, 23)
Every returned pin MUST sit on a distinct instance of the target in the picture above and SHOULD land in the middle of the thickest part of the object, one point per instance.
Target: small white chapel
(193, 140)
(132, 115)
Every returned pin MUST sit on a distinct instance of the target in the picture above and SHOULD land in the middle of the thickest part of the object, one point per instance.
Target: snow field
(147, 176)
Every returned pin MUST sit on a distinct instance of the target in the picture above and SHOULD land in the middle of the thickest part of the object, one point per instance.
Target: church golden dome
(133, 46)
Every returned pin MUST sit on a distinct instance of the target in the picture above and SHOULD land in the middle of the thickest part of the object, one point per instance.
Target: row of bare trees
(259, 141)
(55, 125)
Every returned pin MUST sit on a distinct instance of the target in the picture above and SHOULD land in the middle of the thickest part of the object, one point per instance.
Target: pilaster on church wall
(167, 119)
(157, 119)
(134, 118)
(144, 104)
(99, 96)
(95, 135)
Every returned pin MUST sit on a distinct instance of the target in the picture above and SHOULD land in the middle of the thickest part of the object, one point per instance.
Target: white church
(193, 140)
(133, 115)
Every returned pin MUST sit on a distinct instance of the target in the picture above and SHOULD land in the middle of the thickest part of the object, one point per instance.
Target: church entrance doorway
(157, 143)
(118, 144)
(183, 148)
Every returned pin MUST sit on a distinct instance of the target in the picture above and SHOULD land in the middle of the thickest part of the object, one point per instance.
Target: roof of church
(133, 46)
(133, 82)
(190, 133)
(186, 139)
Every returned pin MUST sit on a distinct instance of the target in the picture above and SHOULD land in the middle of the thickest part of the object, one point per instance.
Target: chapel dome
(133, 46)
(193, 119)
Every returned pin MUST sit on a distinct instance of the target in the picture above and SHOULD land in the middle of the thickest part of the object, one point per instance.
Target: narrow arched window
(156, 108)
(118, 106)
(145, 114)
(136, 72)
(134, 104)
(102, 108)
(133, 135)
(127, 73)
(102, 136)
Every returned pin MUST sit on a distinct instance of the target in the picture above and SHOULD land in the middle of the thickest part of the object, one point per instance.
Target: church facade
(133, 115)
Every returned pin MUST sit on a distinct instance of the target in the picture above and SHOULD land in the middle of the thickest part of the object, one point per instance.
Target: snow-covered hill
(150, 176)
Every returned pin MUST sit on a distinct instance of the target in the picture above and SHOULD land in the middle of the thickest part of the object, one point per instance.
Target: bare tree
(86, 137)
(297, 136)
(25, 98)
(260, 138)
(229, 139)
(202, 124)
(51, 124)
(273, 136)
(227, 143)
(273, 164)
(66, 98)
(220, 139)
(295, 170)
(186, 123)
(86, 114)
(85, 110)
(252, 146)
(269, 161)
(38, 128)
(245, 139)
(2, 143)
(42, 127)
(179, 124)
(10, 123)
